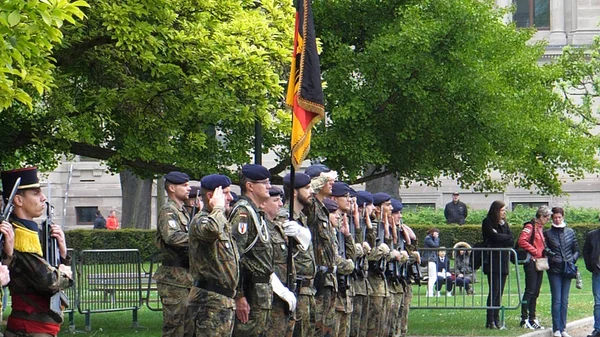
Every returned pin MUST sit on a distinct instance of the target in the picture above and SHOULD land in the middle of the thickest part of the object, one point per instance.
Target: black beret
(396, 205)
(194, 191)
(177, 178)
(300, 180)
(212, 181)
(234, 198)
(276, 191)
(331, 205)
(364, 198)
(316, 170)
(380, 197)
(340, 189)
(29, 179)
(255, 172)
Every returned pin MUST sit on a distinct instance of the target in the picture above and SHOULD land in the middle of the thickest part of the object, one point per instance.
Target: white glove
(359, 250)
(384, 248)
(403, 256)
(301, 233)
(366, 247)
(291, 228)
(283, 292)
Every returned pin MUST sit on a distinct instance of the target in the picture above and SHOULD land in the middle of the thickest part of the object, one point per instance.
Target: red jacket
(112, 223)
(537, 248)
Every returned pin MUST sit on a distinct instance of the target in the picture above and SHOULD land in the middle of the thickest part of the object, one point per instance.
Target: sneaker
(538, 323)
(525, 324)
(578, 281)
(536, 326)
(557, 334)
(438, 294)
(595, 333)
(565, 334)
(449, 294)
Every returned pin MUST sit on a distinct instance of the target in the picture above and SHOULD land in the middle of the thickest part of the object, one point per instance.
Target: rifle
(343, 280)
(59, 300)
(195, 201)
(8, 208)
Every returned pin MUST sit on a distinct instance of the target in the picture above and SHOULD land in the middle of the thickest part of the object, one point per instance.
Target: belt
(305, 283)
(260, 278)
(175, 263)
(329, 269)
(211, 287)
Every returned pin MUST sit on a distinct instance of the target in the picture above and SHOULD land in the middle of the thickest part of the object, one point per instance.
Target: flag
(304, 93)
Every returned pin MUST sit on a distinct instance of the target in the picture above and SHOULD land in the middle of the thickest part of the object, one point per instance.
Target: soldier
(172, 277)
(257, 283)
(378, 302)
(304, 257)
(361, 286)
(33, 280)
(193, 204)
(396, 271)
(214, 262)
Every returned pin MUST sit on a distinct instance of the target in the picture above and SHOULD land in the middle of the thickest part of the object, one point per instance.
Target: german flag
(304, 93)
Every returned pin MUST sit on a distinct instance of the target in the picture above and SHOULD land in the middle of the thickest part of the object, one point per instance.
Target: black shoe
(595, 333)
(491, 326)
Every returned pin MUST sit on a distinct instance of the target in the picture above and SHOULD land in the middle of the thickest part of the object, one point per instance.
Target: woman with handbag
(564, 250)
(532, 240)
(496, 234)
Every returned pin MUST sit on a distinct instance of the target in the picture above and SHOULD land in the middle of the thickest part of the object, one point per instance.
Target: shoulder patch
(243, 223)
(173, 223)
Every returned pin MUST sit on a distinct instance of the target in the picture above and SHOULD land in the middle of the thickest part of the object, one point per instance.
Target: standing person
(396, 267)
(172, 277)
(33, 280)
(112, 223)
(214, 263)
(564, 250)
(99, 222)
(496, 234)
(432, 240)
(254, 296)
(532, 240)
(193, 204)
(591, 256)
(456, 211)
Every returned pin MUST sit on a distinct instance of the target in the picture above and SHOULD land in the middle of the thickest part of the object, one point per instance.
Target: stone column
(558, 37)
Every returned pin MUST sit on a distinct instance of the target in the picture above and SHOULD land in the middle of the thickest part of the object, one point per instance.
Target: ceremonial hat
(380, 197)
(364, 198)
(255, 172)
(340, 189)
(29, 179)
(316, 169)
(396, 205)
(300, 180)
(175, 177)
(212, 181)
(330, 204)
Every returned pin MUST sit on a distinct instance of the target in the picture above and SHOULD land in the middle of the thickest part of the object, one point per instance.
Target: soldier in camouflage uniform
(33, 280)
(304, 259)
(361, 286)
(172, 277)
(214, 263)
(378, 300)
(193, 204)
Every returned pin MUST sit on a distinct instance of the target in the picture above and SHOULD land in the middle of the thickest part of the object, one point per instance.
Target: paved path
(580, 328)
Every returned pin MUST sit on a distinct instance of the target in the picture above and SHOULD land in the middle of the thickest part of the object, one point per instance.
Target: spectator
(112, 223)
(99, 222)
(532, 240)
(456, 210)
(432, 240)
(463, 269)
(443, 272)
(564, 250)
(591, 256)
(496, 234)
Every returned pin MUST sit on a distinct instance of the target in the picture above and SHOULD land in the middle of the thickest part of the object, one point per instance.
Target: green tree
(425, 88)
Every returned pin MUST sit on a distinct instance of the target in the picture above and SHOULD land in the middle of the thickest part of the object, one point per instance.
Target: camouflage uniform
(215, 269)
(279, 323)
(411, 249)
(325, 281)
(344, 295)
(378, 298)
(32, 283)
(395, 280)
(252, 237)
(172, 277)
(362, 290)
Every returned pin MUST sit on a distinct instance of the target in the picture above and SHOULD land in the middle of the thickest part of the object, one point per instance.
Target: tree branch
(76, 50)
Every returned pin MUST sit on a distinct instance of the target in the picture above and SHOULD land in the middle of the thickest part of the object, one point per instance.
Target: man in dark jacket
(456, 210)
(100, 222)
(591, 256)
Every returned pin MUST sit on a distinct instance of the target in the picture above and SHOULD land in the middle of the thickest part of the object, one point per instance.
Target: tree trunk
(388, 184)
(136, 200)
(161, 197)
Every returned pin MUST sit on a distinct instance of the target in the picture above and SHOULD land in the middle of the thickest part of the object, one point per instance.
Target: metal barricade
(152, 298)
(438, 297)
(71, 292)
(109, 280)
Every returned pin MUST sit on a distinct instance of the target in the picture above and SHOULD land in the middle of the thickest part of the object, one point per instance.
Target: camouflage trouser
(174, 302)
(394, 315)
(377, 310)
(305, 316)
(256, 325)
(325, 313)
(211, 314)
(405, 308)
(279, 320)
(360, 315)
(342, 323)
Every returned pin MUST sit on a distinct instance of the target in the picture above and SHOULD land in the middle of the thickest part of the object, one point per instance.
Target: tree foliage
(427, 88)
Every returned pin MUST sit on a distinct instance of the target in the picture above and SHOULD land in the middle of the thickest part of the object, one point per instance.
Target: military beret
(380, 197)
(255, 172)
(276, 191)
(364, 198)
(29, 179)
(340, 189)
(331, 205)
(396, 205)
(234, 198)
(212, 181)
(300, 180)
(352, 192)
(316, 170)
(194, 191)
(175, 177)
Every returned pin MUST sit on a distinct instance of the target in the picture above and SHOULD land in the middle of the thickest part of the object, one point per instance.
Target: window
(85, 215)
(527, 204)
(532, 13)
(414, 205)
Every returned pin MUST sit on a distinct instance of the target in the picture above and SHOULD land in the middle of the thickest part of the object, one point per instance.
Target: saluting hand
(9, 237)
(218, 198)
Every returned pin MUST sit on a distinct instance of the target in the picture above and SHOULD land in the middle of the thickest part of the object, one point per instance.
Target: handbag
(541, 264)
(570, 270)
